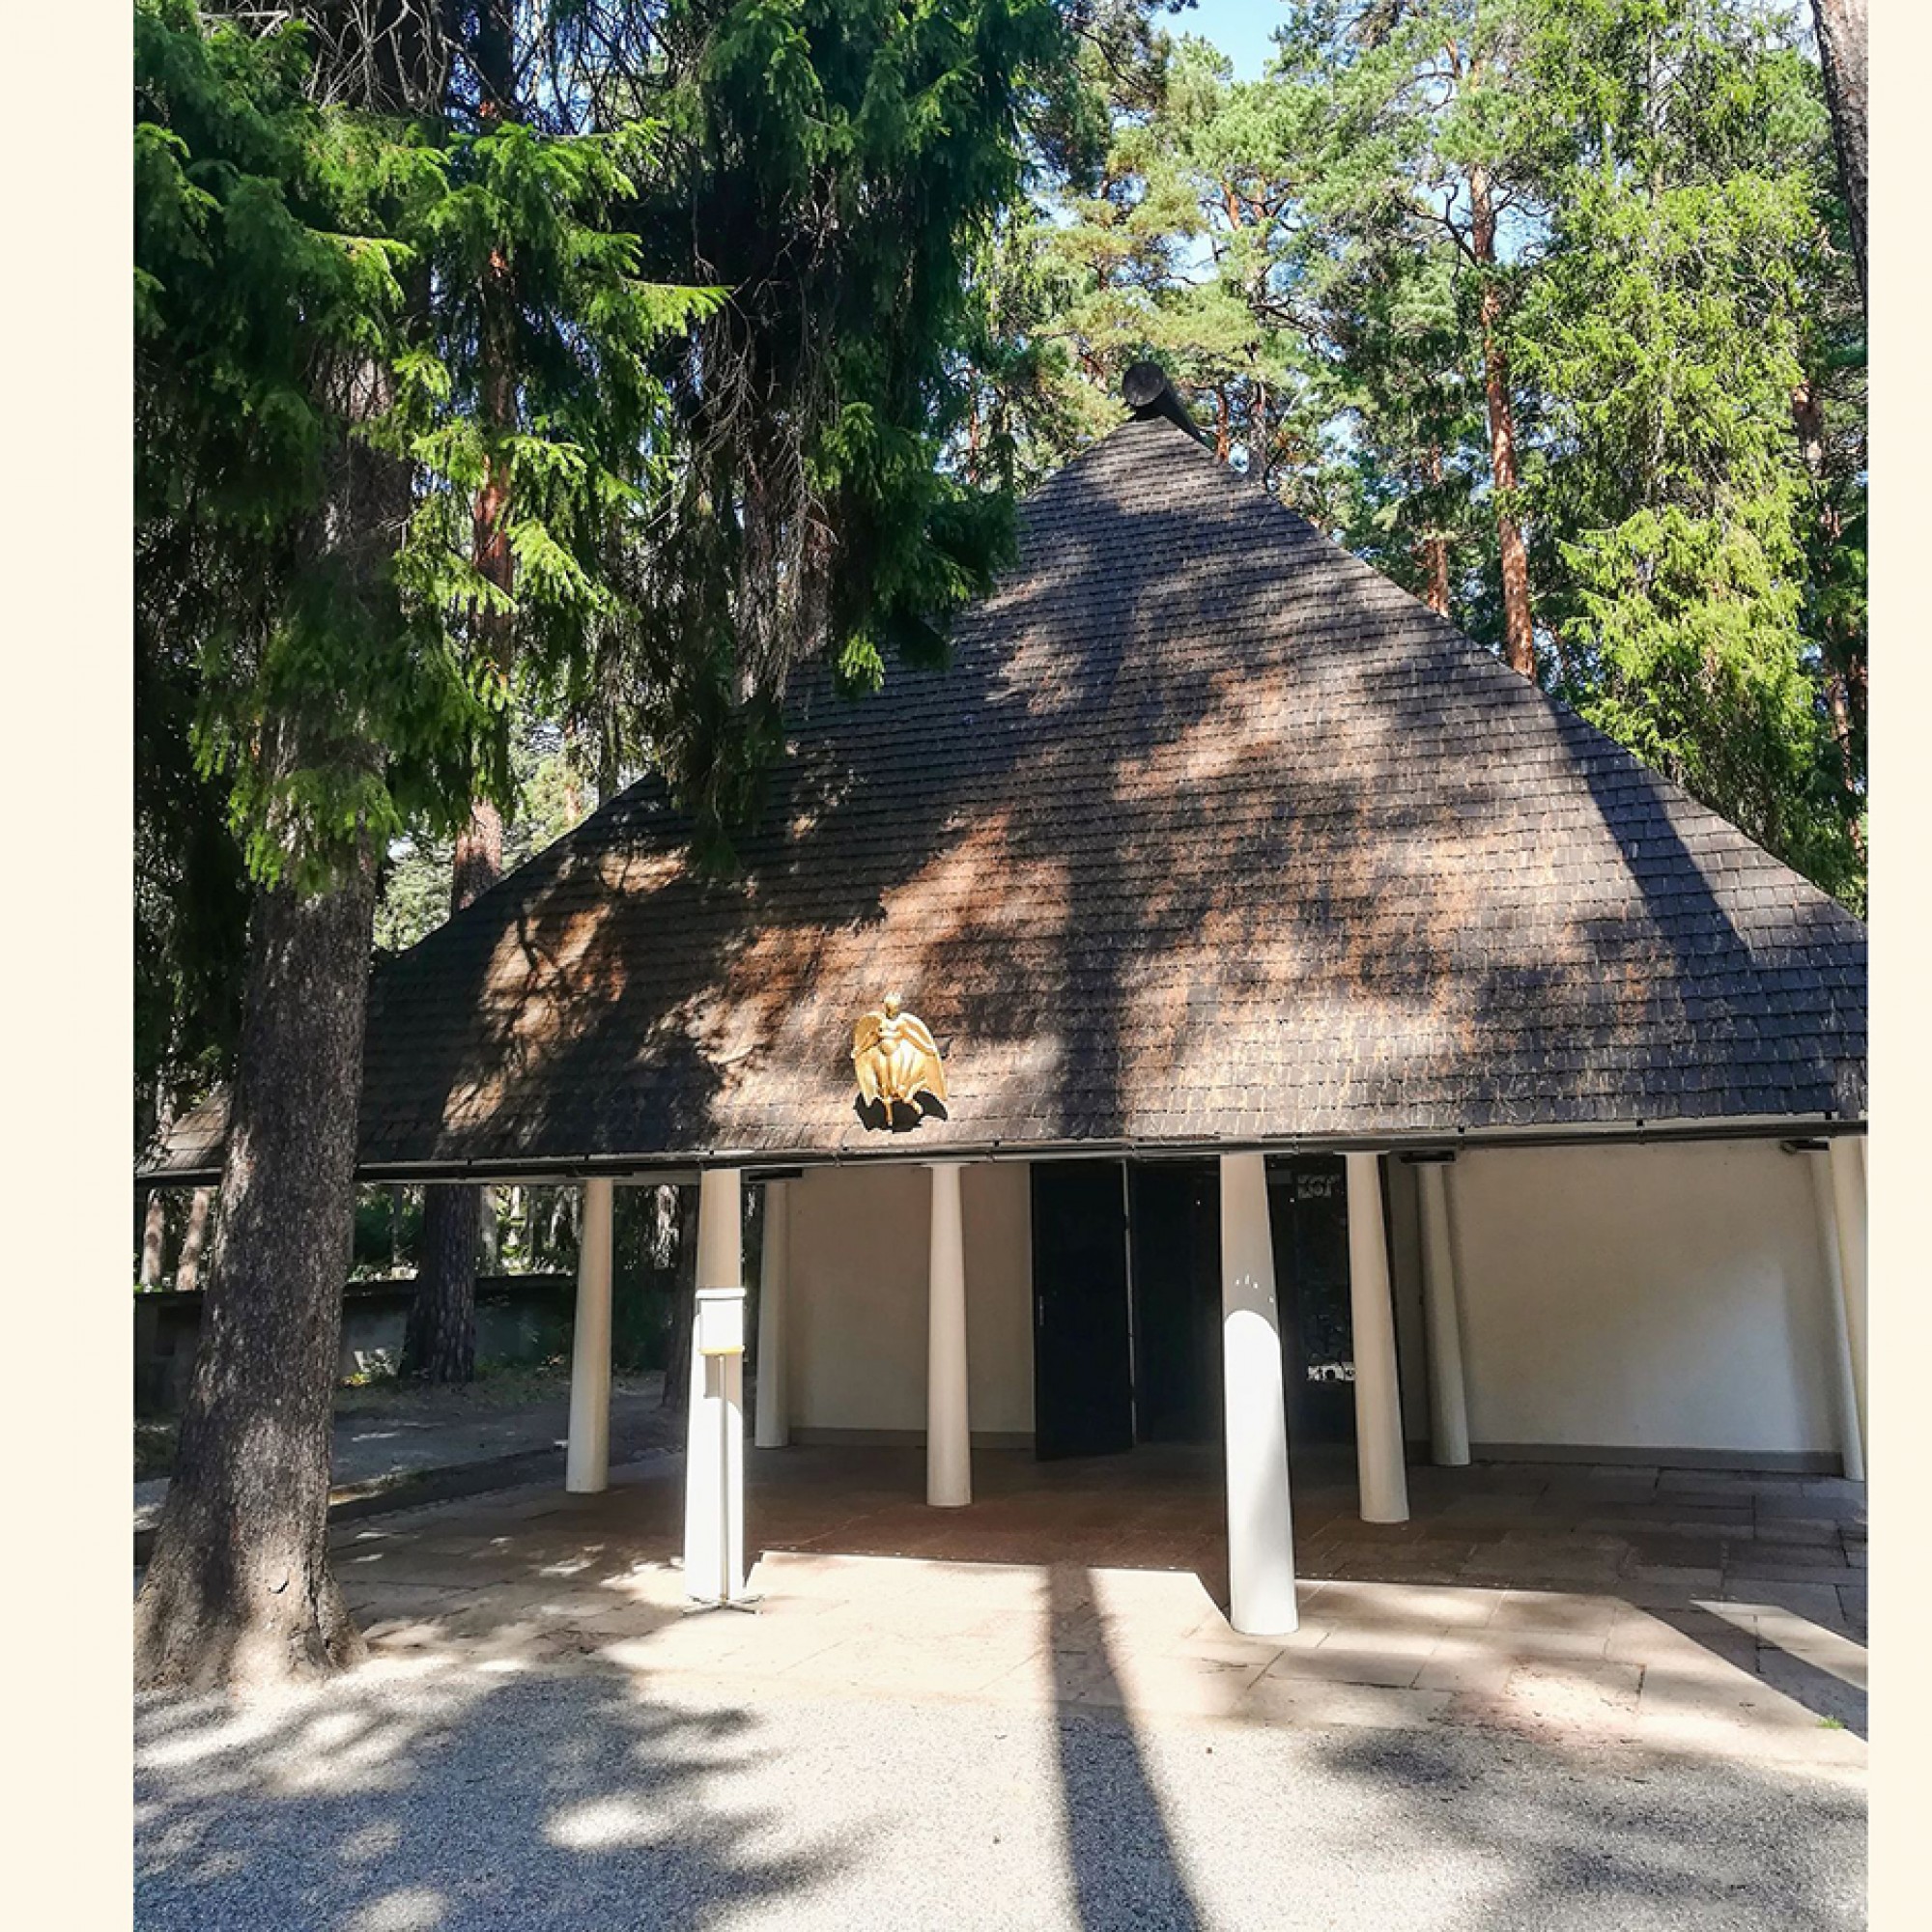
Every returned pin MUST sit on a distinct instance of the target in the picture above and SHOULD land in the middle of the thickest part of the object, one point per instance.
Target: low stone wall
(521, 1319)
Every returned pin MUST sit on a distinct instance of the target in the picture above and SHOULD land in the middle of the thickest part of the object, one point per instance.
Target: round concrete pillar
(1848, 1199)
(1448, 1403)
(773, 1425)
(586, 1462)
(948, 1435)
(1382, 1477)
(1260, 1523)
(714, 1455)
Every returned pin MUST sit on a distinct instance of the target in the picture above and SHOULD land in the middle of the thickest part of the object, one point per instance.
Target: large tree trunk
(239, 1589)
(187, 1268)
(1841, 52)
(1518, 631)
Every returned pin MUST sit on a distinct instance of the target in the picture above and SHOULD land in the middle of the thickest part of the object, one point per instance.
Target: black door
(1308, 1210)
(1177, 1253)
(1083, 1402)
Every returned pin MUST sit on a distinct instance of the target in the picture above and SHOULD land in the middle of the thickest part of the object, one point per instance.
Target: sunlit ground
(949, 1735)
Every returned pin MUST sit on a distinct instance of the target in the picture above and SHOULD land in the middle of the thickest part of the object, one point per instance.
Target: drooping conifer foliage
(495, 360)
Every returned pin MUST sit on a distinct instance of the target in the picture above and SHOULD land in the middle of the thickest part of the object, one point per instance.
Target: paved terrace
(1662, 1609)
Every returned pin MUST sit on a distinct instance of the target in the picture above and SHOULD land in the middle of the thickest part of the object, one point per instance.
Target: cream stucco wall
(1670, 1297)
(856, 1308)
(1662, 1296)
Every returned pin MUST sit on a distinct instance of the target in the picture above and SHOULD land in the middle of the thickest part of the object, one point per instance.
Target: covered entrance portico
(1085, 1308)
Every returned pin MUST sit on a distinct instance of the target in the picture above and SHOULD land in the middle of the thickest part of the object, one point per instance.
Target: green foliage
(552, 792)
(1670, 292)
(831, 161)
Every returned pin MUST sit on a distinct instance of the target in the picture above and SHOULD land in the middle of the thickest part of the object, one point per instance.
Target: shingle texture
(1209, 830)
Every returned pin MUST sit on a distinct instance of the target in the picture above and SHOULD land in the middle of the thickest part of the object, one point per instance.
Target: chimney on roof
(1147, 393)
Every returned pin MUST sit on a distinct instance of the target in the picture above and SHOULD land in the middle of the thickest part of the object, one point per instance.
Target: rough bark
(1808, 419)
(1435, 547)
(1518, 630)
(240, 1589)
(1841, 52)
(194, 1237)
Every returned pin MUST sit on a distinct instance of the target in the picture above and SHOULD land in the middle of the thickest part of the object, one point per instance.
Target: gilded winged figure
(896, 1056)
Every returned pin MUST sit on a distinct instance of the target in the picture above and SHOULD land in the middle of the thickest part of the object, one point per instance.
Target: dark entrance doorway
(1174, 1220)
(1308, 1216)
(1083, 1384)
(1127, 1272)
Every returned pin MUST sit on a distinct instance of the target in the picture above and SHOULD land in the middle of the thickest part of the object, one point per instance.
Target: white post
(1380, 1476)
(1448, 1402)
(586, 1462)
(773, 1429)
(1261, 1523)
(948, 1438)
(1848, 1195)
(1850, 1440)
(714, 1455)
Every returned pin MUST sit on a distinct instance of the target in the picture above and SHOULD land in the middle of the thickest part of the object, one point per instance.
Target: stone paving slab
(864, 1589)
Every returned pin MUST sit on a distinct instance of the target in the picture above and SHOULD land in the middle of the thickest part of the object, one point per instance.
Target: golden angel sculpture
(896, 1057)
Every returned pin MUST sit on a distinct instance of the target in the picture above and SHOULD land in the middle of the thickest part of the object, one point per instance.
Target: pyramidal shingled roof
(1209, 832)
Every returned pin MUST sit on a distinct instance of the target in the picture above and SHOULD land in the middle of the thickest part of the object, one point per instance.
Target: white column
(714, 1455)
(774, 1423)
(1848, 1197)
(1382, 1479)
(586, 1462)
(1851, 1438)
(1448, 1403)
(1261, 1523)
(948, 1436)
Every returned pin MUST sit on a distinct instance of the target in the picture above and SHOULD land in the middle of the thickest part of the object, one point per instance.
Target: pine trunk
(187, 1268)
(1808, 418)
(1518, 631)
(1435, 544)
(240, 1590)
(1841, 53)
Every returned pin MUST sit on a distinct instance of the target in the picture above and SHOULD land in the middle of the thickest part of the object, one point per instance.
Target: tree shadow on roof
(1206, 829)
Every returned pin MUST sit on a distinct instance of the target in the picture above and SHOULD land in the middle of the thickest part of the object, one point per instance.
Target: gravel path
(404, 1799)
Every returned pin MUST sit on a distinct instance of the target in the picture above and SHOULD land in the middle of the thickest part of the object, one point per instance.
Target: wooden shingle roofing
(1209, 832)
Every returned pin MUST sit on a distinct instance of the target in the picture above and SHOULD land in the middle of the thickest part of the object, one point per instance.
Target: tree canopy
(1550, 310)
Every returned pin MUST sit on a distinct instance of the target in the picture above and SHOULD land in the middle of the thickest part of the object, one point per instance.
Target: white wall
(857, 1304)
(1663, 1297)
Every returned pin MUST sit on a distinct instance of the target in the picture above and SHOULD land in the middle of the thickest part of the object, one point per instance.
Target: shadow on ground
(392, 1802)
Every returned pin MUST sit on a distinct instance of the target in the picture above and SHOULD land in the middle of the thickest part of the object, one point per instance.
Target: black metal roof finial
(1149, 393)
